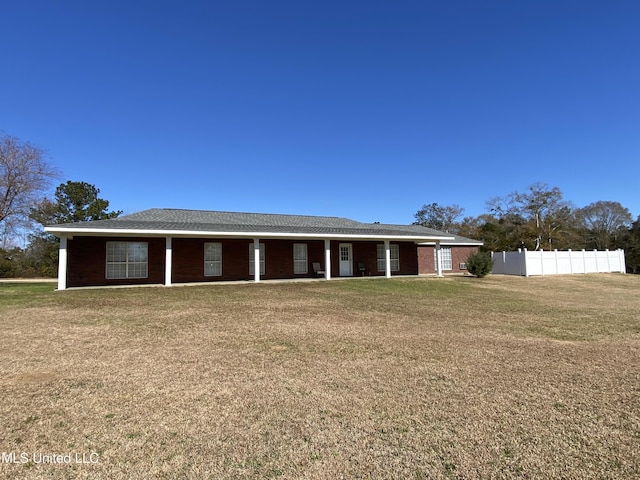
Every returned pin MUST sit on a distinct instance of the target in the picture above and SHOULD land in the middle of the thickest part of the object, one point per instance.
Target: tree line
(539, 218)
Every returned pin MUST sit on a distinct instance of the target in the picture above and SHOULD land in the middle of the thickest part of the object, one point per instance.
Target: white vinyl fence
(526, 263)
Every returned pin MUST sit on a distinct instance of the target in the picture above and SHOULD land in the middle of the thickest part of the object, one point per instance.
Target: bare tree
(603, 220)
(25, 175)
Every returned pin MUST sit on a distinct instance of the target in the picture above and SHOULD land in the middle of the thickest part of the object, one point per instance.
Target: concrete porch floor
(262, 282)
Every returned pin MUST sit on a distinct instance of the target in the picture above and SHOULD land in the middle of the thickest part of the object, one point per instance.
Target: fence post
(584, 261)
(523, 262)
(542, 262)
(623, 265)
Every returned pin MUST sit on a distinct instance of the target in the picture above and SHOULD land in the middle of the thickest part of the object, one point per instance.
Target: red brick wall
(87, 261)
(459, 254)
(188, 259)
(367, 254)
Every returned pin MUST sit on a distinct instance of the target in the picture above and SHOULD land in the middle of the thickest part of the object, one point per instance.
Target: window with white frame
(127, 260)
(252, 265)
(300, 258)
(445, 258)
(212, 259)
(382, 258)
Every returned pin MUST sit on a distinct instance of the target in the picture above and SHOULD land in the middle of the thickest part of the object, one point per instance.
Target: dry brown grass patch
(409, 378)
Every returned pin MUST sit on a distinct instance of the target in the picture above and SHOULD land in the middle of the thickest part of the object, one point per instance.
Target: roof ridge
(156, 209)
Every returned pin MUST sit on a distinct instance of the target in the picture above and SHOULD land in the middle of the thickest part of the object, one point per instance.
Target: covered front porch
(172, 260)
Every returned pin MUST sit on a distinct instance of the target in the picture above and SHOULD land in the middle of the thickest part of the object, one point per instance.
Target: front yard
(505, 377)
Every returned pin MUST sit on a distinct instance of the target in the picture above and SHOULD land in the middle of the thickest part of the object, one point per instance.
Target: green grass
(25, 293)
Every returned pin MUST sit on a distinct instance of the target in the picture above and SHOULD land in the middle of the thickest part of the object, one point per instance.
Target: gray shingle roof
(202, 221)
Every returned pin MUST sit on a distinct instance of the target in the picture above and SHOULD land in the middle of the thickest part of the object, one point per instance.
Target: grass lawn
(504, 377)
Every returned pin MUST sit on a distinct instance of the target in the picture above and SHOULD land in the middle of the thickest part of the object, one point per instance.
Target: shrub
(8, 268)
(480, 264)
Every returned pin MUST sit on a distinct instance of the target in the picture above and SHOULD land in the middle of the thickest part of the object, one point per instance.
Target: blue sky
(363, 109)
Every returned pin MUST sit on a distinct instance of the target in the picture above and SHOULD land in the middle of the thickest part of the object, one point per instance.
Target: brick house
(166, 246)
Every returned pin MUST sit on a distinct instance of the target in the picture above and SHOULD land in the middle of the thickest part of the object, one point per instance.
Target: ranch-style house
(167, 246)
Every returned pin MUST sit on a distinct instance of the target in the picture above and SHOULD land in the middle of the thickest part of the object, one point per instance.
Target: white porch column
(62, 263)
(168, 262)
(438, 259)
(256, 260)
(387, 259)
(327, 259)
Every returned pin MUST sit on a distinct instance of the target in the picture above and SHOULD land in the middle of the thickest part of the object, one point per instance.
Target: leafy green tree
(9, 267)
(40, 258)
(439, 217)
(469, 226)
(537, 219)
(540, 218)
(630, 241)
(73, 202)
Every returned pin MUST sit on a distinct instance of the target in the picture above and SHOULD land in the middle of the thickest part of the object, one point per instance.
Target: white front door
(346, 262)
